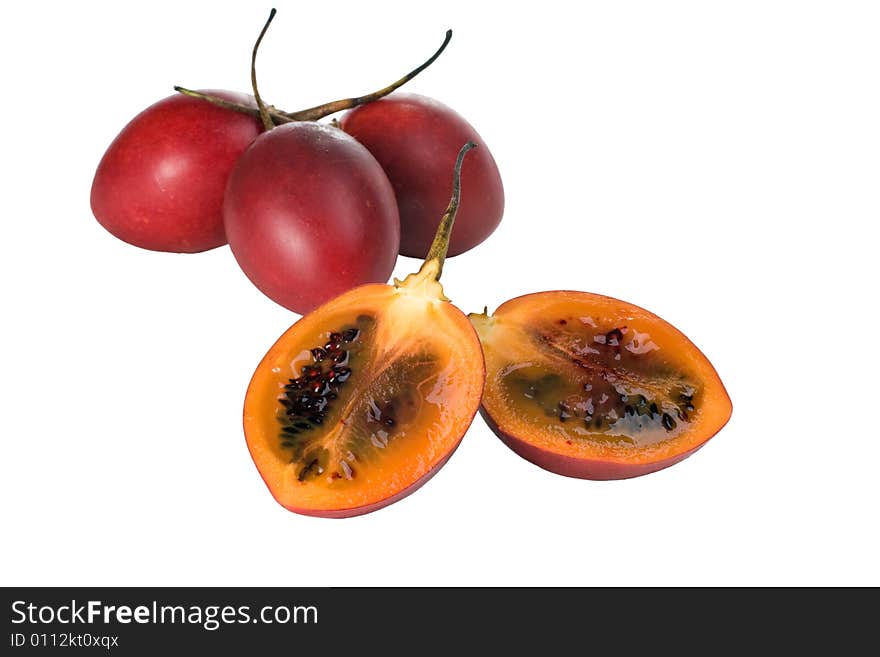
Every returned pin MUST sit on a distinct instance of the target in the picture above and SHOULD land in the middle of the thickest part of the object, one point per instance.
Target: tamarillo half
(592, 387)
(362, 400)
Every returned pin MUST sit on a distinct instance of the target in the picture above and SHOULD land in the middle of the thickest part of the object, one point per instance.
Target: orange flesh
(415, 354)
(588, 377)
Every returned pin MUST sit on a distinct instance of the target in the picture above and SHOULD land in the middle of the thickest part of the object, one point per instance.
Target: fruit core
(340, 408)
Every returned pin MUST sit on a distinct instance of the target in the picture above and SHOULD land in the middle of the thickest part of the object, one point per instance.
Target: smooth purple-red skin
(309, 214)
(581, 468)
(160, 184)
(416, 140)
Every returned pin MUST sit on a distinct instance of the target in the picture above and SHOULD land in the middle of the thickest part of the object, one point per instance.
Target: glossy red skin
(416, 140)
(581, 468)
(309, 214)
(160, 184)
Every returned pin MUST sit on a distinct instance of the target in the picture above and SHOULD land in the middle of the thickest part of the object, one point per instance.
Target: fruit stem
(440, 245)
(320, 111)
(216, 100)
(264, 112)
(279, 117)
(426, 281)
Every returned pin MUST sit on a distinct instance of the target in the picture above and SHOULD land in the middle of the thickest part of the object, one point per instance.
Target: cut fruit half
(362, 400)
(588, 386)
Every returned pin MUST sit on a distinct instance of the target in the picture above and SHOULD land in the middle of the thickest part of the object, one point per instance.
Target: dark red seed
(318, 354)
(349, 335)
(342, 374)
(311, 371)
(668, 422)
(613, 337)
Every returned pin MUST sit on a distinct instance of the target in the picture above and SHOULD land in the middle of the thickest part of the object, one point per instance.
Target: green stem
(264, 113)
(440, 245)
(320, 111)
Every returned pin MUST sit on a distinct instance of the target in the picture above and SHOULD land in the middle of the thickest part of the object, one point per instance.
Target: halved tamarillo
(588, 386)
(362, 400)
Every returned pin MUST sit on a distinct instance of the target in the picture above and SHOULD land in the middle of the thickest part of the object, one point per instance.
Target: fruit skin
(160, 184)
(309, 214)
(597, 467)
(400, 311)
(416, 140)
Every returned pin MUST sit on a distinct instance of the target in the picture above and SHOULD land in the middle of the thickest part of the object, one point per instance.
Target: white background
(717, 163)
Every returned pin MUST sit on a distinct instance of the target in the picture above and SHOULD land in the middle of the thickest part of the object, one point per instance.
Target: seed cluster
(598, 413)
(306, 399)
(604, 402)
